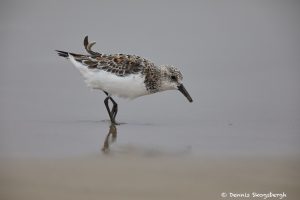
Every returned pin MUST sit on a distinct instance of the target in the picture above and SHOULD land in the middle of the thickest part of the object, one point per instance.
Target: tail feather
(88, 46)
(63, 53)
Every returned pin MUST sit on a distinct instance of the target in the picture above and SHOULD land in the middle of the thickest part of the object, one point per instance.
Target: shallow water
(79, 137)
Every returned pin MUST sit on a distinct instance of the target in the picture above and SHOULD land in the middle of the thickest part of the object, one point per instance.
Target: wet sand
(130, 175)
(63, 160)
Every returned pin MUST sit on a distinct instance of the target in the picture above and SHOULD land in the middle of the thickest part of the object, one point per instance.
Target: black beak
(185, 93)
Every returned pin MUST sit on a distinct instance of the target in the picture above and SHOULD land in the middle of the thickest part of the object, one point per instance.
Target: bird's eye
(174, 78)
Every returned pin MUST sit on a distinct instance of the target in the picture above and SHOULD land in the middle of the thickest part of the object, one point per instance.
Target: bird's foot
(115, 123)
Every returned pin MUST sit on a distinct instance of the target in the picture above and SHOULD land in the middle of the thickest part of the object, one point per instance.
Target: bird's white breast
(131, 86)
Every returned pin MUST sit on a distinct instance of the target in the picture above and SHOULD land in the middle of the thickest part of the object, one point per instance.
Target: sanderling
(126, 76)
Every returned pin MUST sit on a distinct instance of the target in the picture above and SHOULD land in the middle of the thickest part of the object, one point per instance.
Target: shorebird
(126, 76)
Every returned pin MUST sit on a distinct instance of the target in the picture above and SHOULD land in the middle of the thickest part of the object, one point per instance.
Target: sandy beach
(133, 176)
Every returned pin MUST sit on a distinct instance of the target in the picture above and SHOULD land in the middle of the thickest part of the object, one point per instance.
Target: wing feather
(119, 64)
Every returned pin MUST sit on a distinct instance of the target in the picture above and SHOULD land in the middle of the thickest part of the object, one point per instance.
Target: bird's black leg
(107, 108)
(114, 109)
(111, 112)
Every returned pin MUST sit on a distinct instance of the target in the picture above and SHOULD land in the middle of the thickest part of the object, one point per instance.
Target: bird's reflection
(110, 138)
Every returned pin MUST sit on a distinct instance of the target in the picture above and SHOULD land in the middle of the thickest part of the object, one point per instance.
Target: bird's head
(172, 80)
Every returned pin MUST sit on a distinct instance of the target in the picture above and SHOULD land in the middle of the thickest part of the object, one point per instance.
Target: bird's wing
(119, 64)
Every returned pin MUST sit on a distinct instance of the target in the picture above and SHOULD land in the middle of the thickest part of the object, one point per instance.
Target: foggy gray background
(240, 61)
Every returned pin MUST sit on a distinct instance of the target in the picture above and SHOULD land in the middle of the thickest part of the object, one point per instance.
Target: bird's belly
(131, 86)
